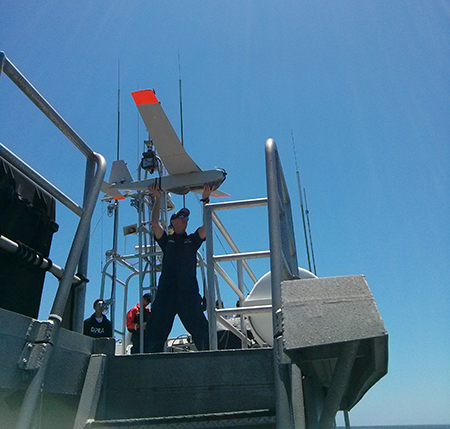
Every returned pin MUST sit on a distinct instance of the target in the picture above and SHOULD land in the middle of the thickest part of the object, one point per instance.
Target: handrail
(28, 89)
(40, 180)
(232, 244)
(122, 260)
(37, 260)
(283, 266)
(213, 267)
(78, 255)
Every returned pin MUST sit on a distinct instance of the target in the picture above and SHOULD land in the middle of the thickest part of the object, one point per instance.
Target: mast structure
(114, 208)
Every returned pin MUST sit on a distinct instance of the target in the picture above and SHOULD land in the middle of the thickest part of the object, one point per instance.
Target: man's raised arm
(207, 189)
(156, 226)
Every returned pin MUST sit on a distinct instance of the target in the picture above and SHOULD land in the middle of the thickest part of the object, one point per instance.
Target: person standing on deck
(178, 291)
(98, 325)
(133, 320)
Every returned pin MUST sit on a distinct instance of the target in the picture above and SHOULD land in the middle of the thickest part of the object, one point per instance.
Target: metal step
(182, 384)
(252, 418)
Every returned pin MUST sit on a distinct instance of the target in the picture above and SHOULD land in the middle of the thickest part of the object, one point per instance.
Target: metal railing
(78, 254)
(214, 268)
(283, 266)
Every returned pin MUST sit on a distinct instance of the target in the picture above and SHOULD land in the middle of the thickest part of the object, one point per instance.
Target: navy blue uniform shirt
(179, 265)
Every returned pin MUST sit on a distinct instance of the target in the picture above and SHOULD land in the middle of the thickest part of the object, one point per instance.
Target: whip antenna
(118, 110)
(310, 236)
(181, 112)
(301, 201)
(181, 100)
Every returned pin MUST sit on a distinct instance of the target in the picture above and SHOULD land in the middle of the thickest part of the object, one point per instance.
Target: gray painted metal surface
(333, 331)
(171, 384)
(330, 310)
(64, 380)
(260, 419)
(72, 353)
(95, 376)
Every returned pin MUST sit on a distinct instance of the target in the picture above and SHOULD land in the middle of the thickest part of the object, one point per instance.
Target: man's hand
(154, 190)
(156, 226)
(207, 189)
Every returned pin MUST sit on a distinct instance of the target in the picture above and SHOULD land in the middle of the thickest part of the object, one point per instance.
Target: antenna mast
(301, 201)
(115, 207)
(181, 112)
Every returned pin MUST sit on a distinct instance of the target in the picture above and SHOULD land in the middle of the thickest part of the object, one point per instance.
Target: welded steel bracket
(39, 338)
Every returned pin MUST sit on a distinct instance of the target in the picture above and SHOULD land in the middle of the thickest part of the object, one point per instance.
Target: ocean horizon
(441, 426)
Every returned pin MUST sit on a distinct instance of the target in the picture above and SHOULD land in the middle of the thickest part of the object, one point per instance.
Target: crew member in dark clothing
(133, 321)
(98, 325)
(178, 288)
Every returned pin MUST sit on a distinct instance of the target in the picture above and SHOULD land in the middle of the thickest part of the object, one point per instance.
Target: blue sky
(364, 88)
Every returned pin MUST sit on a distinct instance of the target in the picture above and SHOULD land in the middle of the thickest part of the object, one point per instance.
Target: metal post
(79, 240)
(211, 293)
(240, 273)
(346, 419)
(80, 291)
(41, 181)
(34, 390)
(28, 89)
(141, 271)
(339, 381)
(114, 264)
(282, 385)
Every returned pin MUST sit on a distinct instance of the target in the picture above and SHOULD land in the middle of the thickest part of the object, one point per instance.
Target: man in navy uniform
(98, 325)
(178, 288)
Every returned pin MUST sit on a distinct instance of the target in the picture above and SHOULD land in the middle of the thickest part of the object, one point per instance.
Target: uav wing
(174, 157)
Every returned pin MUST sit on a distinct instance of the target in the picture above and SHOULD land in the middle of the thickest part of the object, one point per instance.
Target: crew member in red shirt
(133, 320)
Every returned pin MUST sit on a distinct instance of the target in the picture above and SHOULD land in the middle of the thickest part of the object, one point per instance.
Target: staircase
(213, 389)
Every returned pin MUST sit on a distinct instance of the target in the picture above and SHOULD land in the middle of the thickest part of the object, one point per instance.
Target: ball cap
(183, 211)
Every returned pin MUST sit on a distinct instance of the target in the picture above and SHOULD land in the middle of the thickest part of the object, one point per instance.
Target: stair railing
(78, 255)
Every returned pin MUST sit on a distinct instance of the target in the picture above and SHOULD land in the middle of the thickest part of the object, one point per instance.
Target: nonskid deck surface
(262, 419)
(234, 387)
(169, 384)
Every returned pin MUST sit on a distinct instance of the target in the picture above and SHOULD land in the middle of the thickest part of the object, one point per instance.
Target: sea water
(399, 427)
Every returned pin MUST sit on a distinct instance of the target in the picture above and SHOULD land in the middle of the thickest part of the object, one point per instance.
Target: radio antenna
(301, 201)
(181, 100)
(181, 112)
(310, 236)
(118, 110)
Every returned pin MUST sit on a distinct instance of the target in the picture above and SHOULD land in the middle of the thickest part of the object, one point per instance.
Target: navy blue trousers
(136, 341)
(165, 307)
